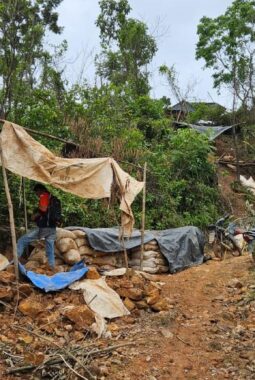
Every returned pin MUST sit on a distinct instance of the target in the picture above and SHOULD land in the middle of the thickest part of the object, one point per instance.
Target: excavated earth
(207, 332)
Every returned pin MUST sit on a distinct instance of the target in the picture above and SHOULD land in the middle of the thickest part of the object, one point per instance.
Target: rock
(128, 319)
(32, 265)
(25, 290)
(167, 334)
(35, 358)
(188, 367)
(61, 268)
(153, 297)
(30, 307)
(142, 305)
(38, 254)
(160, 305)
(3, 262)
(103, 370)
(25, 338)
(6, 294)
(92, 274)
(149, 289)
(112, 327)
(137, 281)
(129, 304)
(239, 329)
(68, 327)
(78, 335)
(82, 316)
(132, 293)
(7, 277)
(235, 283)
(125, 283)
(59, 261)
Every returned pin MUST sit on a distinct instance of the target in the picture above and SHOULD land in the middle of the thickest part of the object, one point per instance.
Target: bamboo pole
(143, 216)
(11, 216)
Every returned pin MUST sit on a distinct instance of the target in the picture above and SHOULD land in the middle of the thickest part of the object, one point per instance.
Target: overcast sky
(172, 22)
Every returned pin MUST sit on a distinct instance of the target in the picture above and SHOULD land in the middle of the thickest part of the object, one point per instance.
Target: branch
(67, 352)
(46, 135)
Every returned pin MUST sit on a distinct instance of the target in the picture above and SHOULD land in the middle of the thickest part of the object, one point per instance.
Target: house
(180, 110)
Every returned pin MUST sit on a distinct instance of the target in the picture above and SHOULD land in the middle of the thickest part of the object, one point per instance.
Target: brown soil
(233, 202)
(208, 333)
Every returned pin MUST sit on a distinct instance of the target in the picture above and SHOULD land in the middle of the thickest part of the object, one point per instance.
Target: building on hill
(181, 110)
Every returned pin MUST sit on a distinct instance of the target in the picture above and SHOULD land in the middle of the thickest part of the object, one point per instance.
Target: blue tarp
(59, 280)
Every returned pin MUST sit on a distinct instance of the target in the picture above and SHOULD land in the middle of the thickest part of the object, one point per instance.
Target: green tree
(193, 178)
(227, 44)
(127, 47)
(111, 19)
(23, 25)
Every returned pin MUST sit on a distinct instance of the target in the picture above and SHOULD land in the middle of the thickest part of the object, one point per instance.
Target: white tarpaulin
(88, 178)
(249, 183)
(101, 298)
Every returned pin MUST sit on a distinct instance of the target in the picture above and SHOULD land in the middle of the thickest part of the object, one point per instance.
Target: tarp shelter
(211, 131)
(88, 178)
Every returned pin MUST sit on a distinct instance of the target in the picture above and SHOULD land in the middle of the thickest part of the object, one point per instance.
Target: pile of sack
(73, 246)
(153, 260)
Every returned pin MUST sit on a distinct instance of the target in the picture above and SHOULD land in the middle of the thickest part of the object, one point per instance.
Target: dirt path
(207, 334)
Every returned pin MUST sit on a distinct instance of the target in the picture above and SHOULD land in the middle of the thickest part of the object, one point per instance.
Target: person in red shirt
(46, 226)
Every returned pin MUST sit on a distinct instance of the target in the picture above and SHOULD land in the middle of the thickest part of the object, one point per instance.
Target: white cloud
(176, 20)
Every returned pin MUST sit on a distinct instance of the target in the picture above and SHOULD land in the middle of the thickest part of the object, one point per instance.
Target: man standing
(47, 218)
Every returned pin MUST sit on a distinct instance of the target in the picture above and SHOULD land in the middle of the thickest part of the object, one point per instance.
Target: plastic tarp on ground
(101, 298)
(58, 281)
(182, 247)
(88, 178)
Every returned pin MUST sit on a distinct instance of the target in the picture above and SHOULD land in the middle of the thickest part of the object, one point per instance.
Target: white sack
(107, 302)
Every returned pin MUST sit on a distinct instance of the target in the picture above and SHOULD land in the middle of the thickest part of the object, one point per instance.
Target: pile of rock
(72, 246)
(139, 292)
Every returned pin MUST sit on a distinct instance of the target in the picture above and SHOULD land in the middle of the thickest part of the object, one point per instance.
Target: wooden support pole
(47, 135)
(236, 154)
(24, 203)
(11, 216)
(143, 216)
(125, 254)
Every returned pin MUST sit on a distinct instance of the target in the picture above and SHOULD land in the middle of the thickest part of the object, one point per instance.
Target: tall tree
(227, 44)
(23, 25)
(127, 47)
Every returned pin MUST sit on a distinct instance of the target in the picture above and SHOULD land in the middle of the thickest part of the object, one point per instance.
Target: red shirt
(44, 201)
